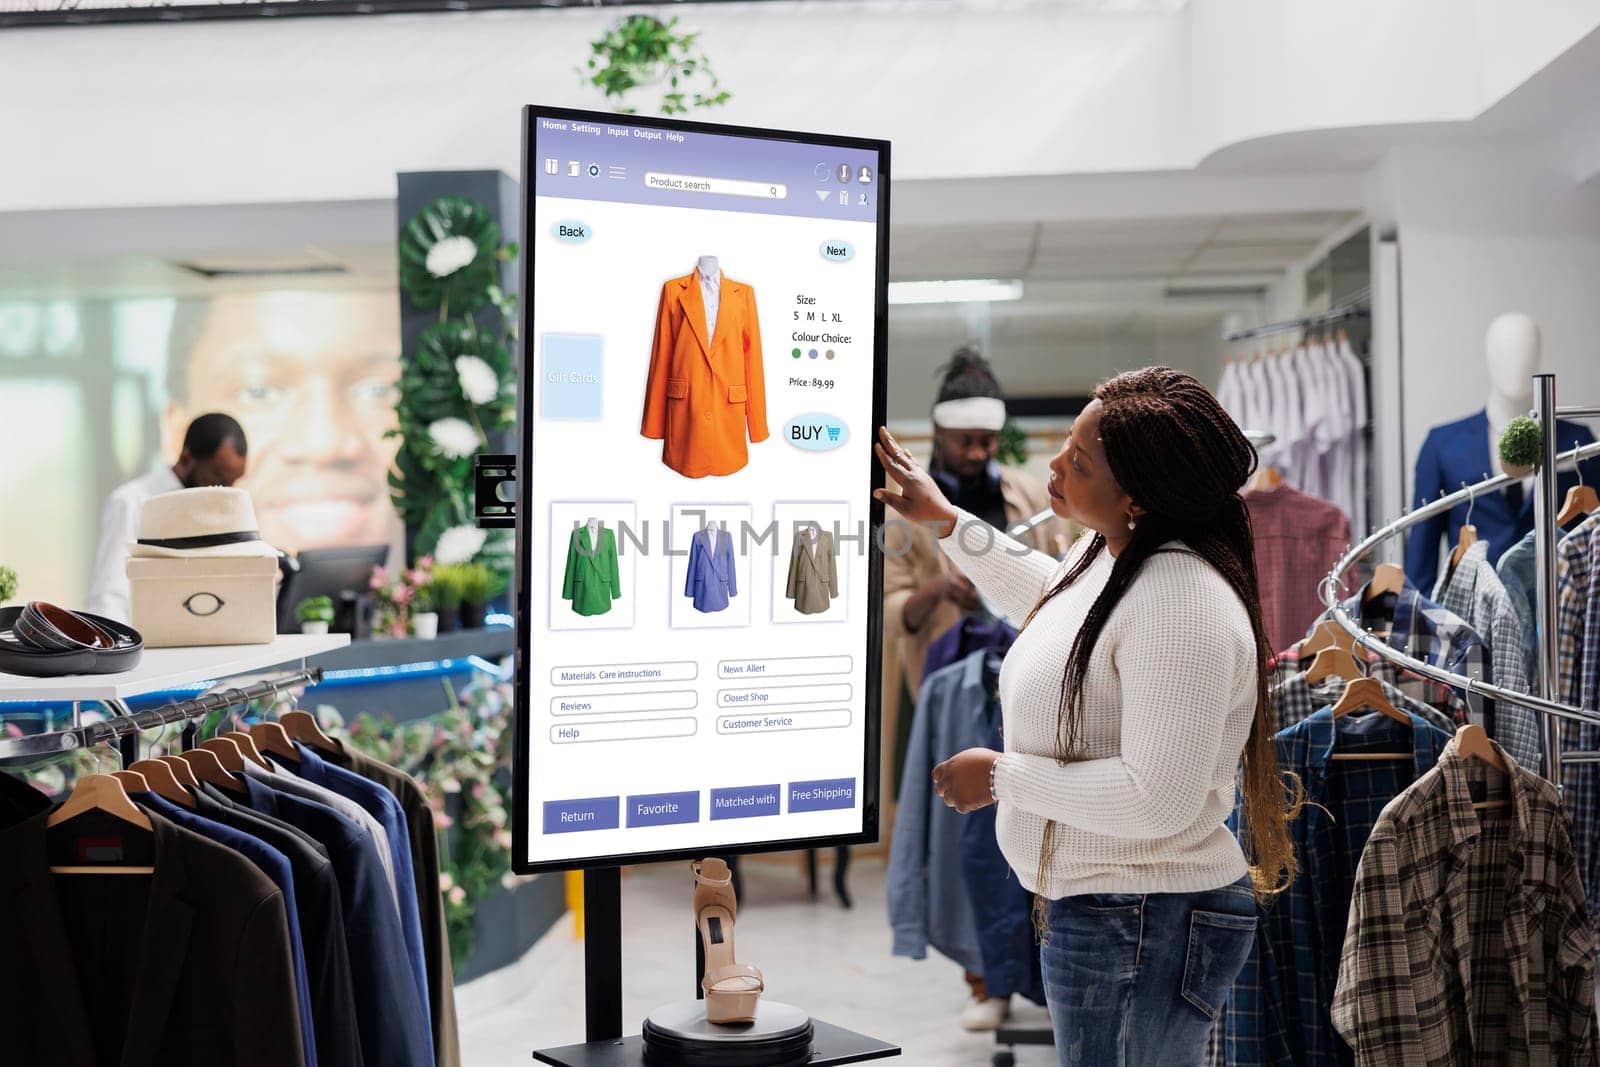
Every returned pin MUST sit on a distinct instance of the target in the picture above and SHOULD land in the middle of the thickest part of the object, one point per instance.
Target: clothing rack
(125, 726)
(1354, 309)
(1546, 531)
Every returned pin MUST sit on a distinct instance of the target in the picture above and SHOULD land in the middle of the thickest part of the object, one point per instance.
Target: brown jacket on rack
(430, 905)
(187, 967)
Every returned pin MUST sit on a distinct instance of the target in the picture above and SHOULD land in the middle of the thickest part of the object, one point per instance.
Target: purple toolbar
(629, 164)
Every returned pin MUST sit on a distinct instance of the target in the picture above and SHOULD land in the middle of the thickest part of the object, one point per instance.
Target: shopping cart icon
(833, 433)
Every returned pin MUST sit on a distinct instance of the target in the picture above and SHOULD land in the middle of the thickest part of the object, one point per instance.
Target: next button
(663, 809)
(827, 794)
(571, 816)
(744, 802)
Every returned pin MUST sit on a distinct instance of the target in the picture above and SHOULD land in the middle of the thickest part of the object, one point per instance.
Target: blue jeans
(1137, 980)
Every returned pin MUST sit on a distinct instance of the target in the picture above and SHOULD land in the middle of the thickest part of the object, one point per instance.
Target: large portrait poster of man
(104, 388)
(311, 376)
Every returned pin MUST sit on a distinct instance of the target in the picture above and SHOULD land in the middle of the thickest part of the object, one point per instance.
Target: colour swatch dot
(795, 353)
(813, 353)
(829, 353)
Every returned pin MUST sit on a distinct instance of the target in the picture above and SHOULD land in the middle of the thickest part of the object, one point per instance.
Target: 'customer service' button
(663, 809)
(572, 816)
(828, 794)
(745, 802)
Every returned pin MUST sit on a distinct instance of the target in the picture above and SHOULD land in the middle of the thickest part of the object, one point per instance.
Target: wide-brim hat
(212, 521)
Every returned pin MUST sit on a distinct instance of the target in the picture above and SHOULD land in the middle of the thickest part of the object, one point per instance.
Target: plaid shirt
(1294, 699)
(1468, 940)
(1278, 1011)
(1575, 637)
(1446, 702)
(1517, 572)
(1475, 592)
(1441, 638)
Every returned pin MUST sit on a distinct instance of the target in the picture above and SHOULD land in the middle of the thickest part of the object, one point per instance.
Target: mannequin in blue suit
(1459, 453)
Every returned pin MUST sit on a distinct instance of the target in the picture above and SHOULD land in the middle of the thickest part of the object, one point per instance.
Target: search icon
(773, 189)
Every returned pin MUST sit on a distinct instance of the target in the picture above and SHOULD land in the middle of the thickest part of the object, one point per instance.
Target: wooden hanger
(1472, 742)
(1368, 693)
(132, 781)
(1386, 578)
(1468, 538)
(206, 767)
(247, 748)
(1328, 634)
(181, 771)
(270, 737)
(100, 792)
(1268, 477)
(228, 753)
(304, 728)
(162, 781)
(1334, 662)
(1581, 501)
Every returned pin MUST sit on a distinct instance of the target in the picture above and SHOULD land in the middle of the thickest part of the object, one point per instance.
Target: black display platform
(830, 1045)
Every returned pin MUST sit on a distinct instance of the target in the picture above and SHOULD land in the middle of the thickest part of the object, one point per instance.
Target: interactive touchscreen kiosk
(698, 592)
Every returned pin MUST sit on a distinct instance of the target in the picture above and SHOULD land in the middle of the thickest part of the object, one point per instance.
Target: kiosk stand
(602, 983)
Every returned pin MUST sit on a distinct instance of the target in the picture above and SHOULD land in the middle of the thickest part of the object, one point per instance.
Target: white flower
(479, 383)
(459, 544)
(453, 438)
(450, 255)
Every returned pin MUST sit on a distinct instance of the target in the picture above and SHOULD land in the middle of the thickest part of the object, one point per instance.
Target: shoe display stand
(682, 1023)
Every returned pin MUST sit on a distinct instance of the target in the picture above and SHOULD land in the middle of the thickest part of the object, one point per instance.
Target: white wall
(1485, 230)
(331, 108)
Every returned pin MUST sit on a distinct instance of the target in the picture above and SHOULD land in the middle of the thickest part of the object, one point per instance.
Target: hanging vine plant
(448, 255)
(642, 52)
(458, 389)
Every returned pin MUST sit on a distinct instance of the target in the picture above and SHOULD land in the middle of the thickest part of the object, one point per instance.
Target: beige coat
(813, 579)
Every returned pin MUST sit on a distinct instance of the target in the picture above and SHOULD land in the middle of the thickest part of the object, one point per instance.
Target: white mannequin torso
(1512, 347)
(710, 291)
(712, 530)
(594, 533)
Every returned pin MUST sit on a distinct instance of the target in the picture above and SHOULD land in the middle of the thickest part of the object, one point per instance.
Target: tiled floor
(831, 962)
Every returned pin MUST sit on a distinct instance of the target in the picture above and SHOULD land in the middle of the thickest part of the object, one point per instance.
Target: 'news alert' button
(573, 816)
(663, 809)
(745, 802)
(827, 794)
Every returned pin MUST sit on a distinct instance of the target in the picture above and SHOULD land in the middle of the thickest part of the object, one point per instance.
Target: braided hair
(1179, 456)
(967, 374)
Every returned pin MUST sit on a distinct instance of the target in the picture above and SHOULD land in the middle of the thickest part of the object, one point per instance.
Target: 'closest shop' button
(573, 816)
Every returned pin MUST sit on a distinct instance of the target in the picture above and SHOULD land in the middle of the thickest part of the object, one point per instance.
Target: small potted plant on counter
(479, 584)
(8, 583)
(445, 593)
(314, 614)
(424, 619)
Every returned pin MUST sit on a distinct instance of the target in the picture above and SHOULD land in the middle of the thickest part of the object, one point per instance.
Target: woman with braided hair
(1134, 696)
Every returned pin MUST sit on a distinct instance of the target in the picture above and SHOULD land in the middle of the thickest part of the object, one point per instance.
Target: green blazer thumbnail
(592, 582)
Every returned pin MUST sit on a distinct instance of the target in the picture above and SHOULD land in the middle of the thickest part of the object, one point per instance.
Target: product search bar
(696, 183)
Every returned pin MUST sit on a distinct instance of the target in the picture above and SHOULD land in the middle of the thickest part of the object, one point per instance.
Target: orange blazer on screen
(705, 395)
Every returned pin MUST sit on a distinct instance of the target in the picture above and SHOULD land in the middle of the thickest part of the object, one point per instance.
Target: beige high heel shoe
(732, 988)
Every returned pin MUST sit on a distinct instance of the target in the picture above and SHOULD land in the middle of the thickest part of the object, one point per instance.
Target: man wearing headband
(924, 594)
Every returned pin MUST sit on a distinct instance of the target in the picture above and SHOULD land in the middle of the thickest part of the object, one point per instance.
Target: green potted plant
(8, 583)
(445, 593)
(314, 614)
(479, 584)
(424, 617)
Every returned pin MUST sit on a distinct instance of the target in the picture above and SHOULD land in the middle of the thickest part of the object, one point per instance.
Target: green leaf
(465, 290)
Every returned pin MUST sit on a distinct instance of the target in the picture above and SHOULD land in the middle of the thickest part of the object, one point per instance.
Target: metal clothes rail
(1545, 533)
(125, 726)
(1355, 309)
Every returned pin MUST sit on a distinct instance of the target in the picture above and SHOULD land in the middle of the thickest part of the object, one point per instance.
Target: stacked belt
(46, 641)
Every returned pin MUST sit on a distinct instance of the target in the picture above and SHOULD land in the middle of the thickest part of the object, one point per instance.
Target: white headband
(971, 413)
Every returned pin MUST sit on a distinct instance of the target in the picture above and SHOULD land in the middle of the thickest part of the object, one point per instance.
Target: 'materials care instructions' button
(663, 809)
(745, 802)
(573, 816)
(827, 794)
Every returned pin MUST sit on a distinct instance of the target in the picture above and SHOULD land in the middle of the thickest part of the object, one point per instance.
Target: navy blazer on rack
(711, 579)
(1457, 454)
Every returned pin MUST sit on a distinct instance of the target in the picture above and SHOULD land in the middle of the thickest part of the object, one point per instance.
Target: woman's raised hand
(920, 500)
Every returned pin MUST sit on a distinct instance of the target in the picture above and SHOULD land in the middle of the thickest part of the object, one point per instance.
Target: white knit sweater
(1168, 699)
